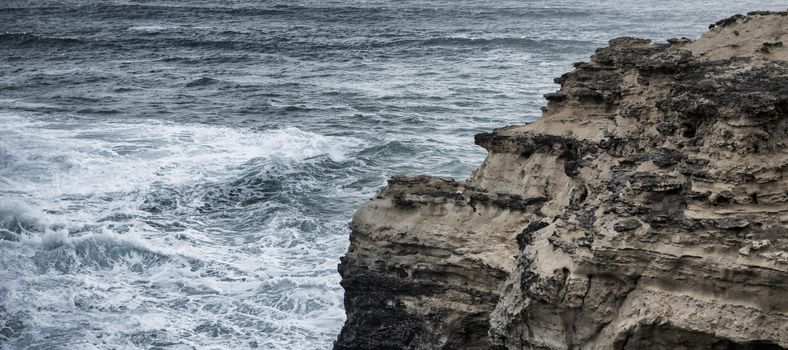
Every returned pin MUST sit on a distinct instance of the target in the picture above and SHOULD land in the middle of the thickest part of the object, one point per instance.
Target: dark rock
(626, 225)
(731, 223)
(526, 237)
(555, 97)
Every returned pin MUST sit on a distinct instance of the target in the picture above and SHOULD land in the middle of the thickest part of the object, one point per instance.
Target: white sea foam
(108, 168)
(122, 157)
(89, 255)
(151, 28)
(128, 233)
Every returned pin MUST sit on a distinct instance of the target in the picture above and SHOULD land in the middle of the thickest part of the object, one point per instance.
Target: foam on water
(85, 245)
(180, 175)
(82, 158)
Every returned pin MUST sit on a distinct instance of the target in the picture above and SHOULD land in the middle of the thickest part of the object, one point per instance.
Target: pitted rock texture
(646, 209)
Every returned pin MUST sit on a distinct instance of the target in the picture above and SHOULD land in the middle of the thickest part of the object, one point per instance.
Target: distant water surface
(179, 175)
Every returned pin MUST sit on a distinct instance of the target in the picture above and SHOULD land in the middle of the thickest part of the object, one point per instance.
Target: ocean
(180, 174)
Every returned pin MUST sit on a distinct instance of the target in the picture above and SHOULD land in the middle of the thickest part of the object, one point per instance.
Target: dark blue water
(179, 175)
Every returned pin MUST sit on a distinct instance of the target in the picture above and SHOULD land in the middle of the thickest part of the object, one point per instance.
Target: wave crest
(67, 255)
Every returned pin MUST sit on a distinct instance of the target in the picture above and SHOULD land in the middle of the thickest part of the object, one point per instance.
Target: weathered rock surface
(647, 208)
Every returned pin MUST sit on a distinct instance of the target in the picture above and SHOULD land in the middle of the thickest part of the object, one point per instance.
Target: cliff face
(647, 208)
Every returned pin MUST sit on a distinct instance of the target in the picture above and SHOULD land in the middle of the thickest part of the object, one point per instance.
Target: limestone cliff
(647, 208)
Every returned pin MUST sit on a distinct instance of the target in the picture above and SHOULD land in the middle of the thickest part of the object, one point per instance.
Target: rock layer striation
(646, 208)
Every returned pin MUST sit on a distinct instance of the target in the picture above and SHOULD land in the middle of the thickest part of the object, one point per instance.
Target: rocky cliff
(647, 208)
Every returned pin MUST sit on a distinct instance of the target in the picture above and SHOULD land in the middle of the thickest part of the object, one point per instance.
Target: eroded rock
(647, 208)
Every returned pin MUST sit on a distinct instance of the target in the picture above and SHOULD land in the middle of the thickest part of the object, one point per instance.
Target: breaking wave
(82, 220)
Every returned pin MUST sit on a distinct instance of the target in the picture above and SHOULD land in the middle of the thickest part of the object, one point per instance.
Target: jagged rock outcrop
(647, 208)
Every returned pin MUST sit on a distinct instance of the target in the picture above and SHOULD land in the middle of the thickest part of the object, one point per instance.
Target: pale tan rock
(647, 208)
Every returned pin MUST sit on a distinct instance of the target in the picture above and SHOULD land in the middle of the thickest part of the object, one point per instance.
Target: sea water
(179, 175)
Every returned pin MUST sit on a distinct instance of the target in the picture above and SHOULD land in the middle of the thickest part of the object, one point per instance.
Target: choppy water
(179, 175)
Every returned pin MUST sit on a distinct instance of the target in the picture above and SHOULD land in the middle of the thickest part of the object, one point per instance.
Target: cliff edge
(646, 208)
